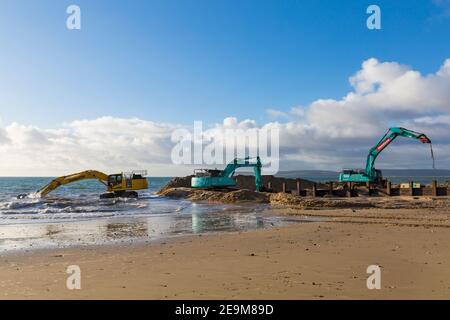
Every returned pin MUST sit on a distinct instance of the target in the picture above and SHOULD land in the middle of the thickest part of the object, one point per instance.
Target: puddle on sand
(117, 230)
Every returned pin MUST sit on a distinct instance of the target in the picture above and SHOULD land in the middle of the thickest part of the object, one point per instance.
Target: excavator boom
(88, 174)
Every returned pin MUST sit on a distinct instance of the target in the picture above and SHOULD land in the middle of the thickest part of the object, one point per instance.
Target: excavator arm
(390, 136)
(88, 174)
(244, 163)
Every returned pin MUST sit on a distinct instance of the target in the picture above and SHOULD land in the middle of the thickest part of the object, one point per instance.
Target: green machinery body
(370, 174)
(207, 178)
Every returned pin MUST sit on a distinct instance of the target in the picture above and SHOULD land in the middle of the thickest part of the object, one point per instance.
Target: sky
(110, 95)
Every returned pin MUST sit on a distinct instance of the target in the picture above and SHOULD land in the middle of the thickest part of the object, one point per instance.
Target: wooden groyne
(303, 187)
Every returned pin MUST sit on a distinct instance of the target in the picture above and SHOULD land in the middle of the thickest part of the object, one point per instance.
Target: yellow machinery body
(126, 182)
(120, 184)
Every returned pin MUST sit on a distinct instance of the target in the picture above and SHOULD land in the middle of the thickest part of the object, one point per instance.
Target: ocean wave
(81, 207)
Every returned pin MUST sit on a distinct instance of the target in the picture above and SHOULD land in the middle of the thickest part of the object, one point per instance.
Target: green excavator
(370, 174)
(214, 178)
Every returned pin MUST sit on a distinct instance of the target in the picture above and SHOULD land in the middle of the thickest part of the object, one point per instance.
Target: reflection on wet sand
(200, 223)
(198, 219)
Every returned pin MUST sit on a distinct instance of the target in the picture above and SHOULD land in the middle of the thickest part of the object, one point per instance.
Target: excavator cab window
(207, 172)
(114, 179)
(128, 179)
(214, 173)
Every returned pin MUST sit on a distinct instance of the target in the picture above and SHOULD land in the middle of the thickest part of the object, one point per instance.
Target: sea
(74, 215)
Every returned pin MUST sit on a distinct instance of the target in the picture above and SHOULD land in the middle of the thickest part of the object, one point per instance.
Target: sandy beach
(314, 260)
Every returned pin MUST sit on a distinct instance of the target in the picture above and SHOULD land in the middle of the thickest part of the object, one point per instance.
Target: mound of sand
(290, 200)
(245, 195)
(181, 192)
(178, 182)
(236, 196)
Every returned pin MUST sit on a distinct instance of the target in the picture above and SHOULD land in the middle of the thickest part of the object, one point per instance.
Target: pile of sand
(178, 182)
(277, 199)
(244, 195)
(235, 196)
(290, 200)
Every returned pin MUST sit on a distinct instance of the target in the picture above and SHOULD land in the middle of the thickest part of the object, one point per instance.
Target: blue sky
(109, 96)
(180, 61)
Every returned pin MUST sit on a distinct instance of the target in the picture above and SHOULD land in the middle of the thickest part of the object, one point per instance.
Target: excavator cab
(126, 183)
(359, 175)
(114, 180)
(207, 172)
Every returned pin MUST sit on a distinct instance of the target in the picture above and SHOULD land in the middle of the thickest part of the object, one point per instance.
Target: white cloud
(276, 114)
(105, 143)
(340, 132)
(327, 134)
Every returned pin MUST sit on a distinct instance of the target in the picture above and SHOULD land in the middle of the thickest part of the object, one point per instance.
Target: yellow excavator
(122, 184)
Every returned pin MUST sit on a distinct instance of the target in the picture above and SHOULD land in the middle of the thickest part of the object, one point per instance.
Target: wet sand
(317, 260)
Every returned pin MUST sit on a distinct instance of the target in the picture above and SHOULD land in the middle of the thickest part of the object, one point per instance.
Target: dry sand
(317, 260)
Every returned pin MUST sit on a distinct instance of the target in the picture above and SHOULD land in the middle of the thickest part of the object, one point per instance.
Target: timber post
(299, 187)
(314, 190)
(434, 192)
(389, 188)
